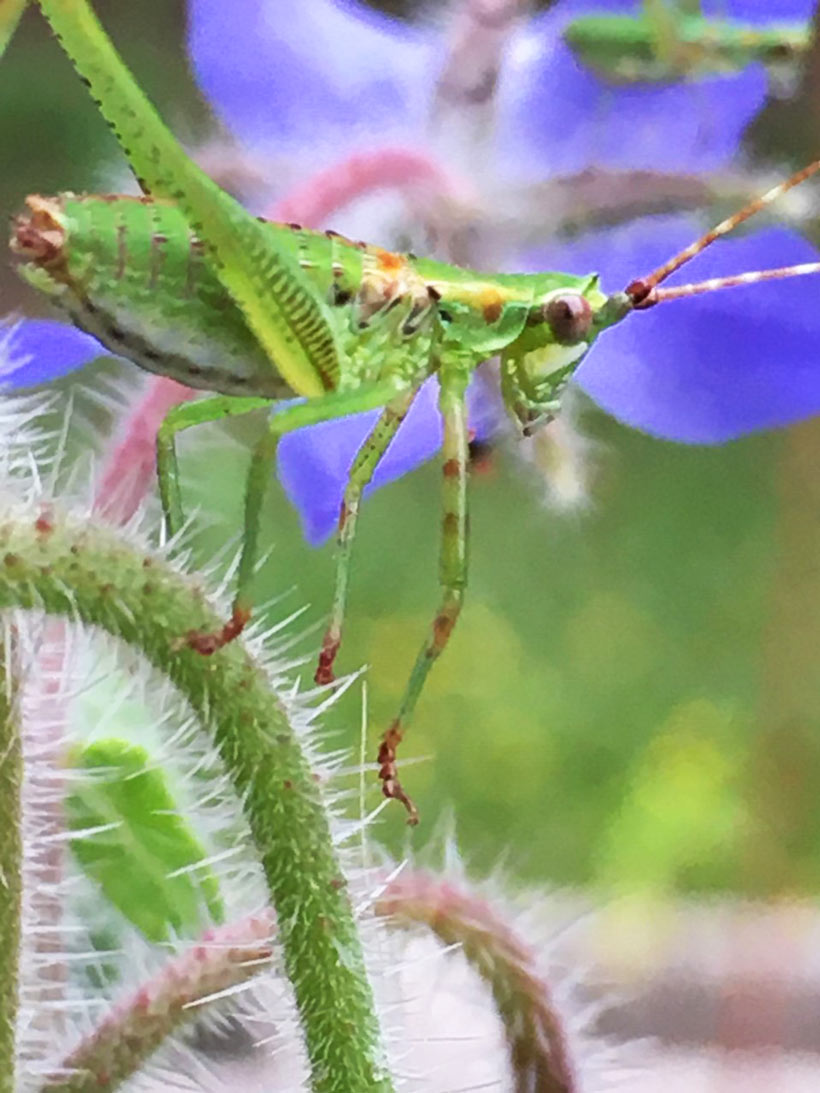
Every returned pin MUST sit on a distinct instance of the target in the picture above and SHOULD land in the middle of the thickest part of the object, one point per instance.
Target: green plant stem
(84, 571)
(11, 863)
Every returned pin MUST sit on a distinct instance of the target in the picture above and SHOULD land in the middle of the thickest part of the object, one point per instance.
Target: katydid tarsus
(671, 39)
(186, 283)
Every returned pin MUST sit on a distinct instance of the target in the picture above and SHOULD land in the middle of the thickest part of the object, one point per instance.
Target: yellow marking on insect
(388, 261)
(553, 358)
(491, 304)
(485, 297)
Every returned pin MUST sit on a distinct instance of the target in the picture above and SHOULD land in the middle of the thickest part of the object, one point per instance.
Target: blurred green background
(631, 697)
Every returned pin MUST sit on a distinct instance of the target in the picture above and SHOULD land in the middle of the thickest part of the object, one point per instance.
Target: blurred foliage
(131, 840)
(618, 704)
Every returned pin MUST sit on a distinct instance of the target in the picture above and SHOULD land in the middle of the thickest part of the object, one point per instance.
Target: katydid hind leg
(452, 577)
(367, 459)
(294, 416)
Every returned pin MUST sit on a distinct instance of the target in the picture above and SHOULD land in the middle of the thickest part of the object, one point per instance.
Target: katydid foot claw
(324, 669)
(388, 771)
(207, 642)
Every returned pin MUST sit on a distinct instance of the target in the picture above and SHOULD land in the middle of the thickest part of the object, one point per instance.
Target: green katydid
(671, 40)
(186, 283)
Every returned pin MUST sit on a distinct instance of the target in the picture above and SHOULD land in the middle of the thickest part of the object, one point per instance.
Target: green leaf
(144, 842)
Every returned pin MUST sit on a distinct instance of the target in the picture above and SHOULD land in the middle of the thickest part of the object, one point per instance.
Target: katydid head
(564, 323)
(561, 327)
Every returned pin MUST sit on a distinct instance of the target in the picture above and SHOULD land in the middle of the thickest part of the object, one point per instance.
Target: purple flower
(334, 76)
(39, 350)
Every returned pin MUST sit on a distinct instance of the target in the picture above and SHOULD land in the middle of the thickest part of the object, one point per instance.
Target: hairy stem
(81, 570)
(536, 1032)
(135, 1027)
(11, 860)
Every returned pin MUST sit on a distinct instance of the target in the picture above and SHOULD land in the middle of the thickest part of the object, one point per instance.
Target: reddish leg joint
(207, 643)
(640, 293)
(388, 771)
(330, 647)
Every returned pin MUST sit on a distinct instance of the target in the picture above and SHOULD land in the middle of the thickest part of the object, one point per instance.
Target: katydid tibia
(188, 284)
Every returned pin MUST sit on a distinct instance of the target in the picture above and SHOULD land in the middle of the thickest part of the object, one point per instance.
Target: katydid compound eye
(569, 316)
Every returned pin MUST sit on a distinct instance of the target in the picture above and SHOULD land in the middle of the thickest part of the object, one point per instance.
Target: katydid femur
(188, 284)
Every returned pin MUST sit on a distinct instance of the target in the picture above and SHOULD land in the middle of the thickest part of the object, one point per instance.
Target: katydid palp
(663, 40)
(187, 283)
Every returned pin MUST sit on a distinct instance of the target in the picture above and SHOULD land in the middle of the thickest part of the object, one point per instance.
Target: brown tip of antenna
(639, 293)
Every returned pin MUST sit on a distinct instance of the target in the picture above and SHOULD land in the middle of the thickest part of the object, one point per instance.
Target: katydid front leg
(310, 412)
(452, 574)
(367, 459)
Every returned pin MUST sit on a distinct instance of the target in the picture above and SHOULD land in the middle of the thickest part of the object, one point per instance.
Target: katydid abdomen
(129, 272)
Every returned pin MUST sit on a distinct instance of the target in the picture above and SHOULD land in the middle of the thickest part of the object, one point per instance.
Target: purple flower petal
(709, 368)
(321, 69)
(567, 119)
(314, 463)
(752, 11)
(35, 351)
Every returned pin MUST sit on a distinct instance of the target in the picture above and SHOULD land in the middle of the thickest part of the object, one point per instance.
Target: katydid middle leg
(452, 574)
(312, 411)
(367, 459)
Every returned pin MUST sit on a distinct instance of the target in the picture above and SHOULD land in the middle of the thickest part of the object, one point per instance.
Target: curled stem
(135, 1027)
(407, 170)
(536, 1033)
(86, 571)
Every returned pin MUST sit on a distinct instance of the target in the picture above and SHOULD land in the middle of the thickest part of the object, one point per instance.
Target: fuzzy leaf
(144, 843)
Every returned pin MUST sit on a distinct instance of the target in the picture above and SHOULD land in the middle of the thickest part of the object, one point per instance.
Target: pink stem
(128, 471)
(403, 169)
(134, 1028)
(536, 1029)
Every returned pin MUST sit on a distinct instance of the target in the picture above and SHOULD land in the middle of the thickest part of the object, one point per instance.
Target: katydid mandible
(188, 284)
